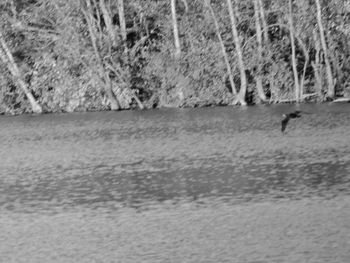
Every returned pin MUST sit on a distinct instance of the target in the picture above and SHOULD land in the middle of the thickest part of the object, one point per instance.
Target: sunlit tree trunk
(263, 20)
(223, 50)
(330, 83)
(316, 67)
(243, 89)
(258, 79)
(121, 15)
(7, 58)
(292, 43)
(175, 30)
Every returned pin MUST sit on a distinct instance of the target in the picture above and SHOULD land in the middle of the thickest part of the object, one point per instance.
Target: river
(219, 184)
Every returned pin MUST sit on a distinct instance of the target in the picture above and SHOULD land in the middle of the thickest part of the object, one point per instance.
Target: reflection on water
(131, 159)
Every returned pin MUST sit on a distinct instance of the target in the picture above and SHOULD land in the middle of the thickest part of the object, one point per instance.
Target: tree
(101, 64)
(175, 30)
(122, 22)
(330, 93)
(101, 54)
(223, 50)
(7, 58)
(108, 22)
(263, 19)
(258, 79)
(243, 89)
(292, 43)
(128, 55)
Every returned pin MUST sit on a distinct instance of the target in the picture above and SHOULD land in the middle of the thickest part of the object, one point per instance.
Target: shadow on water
(138, 158)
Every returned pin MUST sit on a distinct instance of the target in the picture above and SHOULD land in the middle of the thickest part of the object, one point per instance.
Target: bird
(287, 117)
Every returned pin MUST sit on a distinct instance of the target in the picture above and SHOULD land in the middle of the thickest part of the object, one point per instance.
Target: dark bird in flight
(287, 117)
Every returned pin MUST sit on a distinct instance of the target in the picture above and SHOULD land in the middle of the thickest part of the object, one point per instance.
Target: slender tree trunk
(258, 79)
(108, 22)
(7, 59)
(243, 89)
(263, 20)
(316, 68)
(121, 15)
(304, 71)
(98, 24)
(318, 79)
(292, 42)
(175, 30)
(330, 93)
(223, 50)
(139, 103)
(272, 89)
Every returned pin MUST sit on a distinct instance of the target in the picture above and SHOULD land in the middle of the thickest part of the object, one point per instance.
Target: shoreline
(336, 100)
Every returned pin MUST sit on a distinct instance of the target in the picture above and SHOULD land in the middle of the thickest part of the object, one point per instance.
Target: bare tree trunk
(243, 89)
(272, 88)
(316, 67)
(259, 86)
(139, 103)
(108, 22)
(330, 93)
(121, 15)
(292, 42)
(223, 50)
(175, 30)
(263, 20)
(318, 79)
(95, 7)
(7, 59)
(101, 68)
(304, 71)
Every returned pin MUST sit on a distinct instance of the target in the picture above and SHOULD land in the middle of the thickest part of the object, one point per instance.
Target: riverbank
(95, 56)
(151, 106)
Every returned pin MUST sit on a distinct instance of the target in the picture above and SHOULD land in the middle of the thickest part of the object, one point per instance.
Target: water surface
(205, 164)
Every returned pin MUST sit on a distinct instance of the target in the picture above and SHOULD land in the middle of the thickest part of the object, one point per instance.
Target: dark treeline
(59, 55)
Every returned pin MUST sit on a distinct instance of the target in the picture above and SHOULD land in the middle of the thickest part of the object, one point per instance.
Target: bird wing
(284, 123)
(301, 111)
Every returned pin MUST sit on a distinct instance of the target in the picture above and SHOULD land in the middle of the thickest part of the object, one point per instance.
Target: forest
(95, 55)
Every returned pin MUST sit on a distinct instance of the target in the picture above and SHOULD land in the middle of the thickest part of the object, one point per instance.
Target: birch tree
(292, 43)
(236, 39)
(263, 19)
(175, 30)
(122, 22)
(258, 78)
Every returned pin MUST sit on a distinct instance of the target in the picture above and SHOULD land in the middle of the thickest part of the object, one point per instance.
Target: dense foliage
(70, 52)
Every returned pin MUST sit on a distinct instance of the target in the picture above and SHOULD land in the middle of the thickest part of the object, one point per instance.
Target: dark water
(143, 161)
